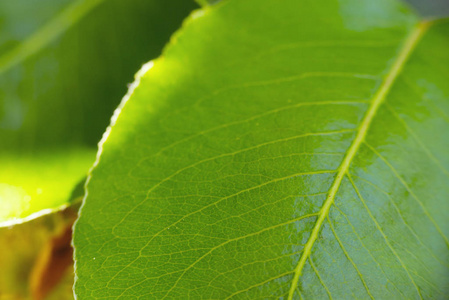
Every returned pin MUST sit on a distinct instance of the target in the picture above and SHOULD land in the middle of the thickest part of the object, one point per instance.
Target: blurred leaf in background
(64, 66)
(431, 8)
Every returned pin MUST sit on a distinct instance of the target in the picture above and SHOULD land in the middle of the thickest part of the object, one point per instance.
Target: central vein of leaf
(378, 99)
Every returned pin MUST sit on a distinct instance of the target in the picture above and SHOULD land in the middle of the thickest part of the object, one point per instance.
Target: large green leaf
(292, 149)
(64, 66)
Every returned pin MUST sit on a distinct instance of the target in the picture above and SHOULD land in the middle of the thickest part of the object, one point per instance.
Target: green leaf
(278, 151)
(64, 66)
(34, 185)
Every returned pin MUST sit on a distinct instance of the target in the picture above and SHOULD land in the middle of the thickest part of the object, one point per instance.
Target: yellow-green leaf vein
(378, 99)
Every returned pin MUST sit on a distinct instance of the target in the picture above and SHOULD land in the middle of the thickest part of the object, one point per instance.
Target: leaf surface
(64, 66)
(278, 151)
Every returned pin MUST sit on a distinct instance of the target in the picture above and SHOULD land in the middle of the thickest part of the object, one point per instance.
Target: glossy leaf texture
(64, 66)
(278, 149)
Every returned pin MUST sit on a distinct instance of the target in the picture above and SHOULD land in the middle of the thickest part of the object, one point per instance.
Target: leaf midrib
(414, 37)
